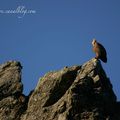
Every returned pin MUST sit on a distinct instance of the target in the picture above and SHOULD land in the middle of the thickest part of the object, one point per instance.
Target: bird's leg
(96, 59)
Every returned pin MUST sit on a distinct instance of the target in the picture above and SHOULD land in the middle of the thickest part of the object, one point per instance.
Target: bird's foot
(95, 61)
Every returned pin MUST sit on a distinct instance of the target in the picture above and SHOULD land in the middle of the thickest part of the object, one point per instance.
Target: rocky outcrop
(72, 93)
(12, 101)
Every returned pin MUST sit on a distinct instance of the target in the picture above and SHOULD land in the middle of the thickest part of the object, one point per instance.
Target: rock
(10, 79)
(12, 101)
(72, 93)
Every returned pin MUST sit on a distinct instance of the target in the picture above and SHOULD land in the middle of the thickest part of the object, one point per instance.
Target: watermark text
(20, 11)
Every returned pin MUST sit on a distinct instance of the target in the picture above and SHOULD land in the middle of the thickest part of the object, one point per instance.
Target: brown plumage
(99, 51)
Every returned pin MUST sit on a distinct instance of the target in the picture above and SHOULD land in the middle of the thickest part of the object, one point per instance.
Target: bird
(99, 50)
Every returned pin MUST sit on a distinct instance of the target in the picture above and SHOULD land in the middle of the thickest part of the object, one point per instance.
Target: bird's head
(94, 41)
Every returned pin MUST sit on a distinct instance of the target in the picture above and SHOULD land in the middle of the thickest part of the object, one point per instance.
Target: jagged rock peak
(12, 101)
(73, 93)
(10, 79)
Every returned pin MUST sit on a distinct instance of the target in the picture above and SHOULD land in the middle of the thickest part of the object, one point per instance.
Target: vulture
(99, 51)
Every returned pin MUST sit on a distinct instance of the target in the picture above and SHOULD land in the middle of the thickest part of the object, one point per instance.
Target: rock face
(72, 93)
(12, 102)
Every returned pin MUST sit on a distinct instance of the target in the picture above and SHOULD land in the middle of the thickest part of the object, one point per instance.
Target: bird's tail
(104, 59)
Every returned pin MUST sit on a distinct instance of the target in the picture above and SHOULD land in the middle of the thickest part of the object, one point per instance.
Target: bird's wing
(102, 50)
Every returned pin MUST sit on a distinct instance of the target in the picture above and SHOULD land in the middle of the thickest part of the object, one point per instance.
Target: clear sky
(59, 34)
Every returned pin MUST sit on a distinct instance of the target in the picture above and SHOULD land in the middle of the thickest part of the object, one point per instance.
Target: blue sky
(59, 34)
